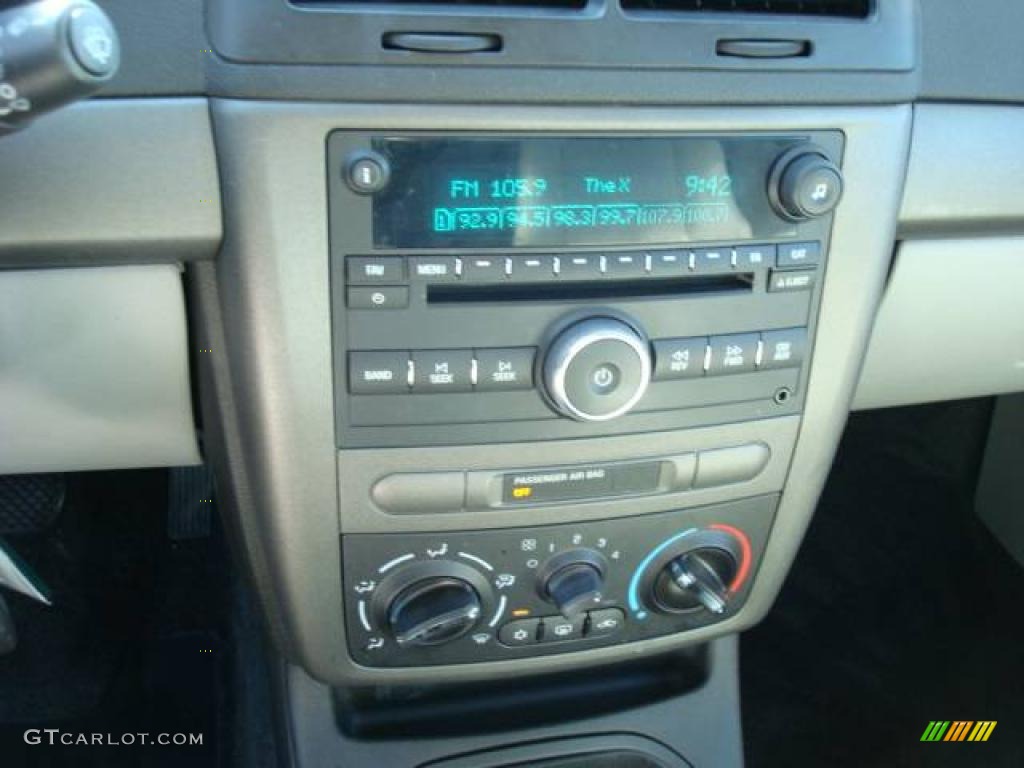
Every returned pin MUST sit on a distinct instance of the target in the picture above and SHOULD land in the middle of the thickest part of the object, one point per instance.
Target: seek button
(504, 369)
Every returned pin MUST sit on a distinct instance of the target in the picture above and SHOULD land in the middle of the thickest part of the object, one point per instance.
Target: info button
(504, 369)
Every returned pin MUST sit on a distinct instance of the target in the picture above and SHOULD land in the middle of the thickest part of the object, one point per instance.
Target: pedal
(18, 576)
(190, 503)
(30, 503)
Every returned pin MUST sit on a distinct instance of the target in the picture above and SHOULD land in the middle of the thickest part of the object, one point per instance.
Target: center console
(490, 290)
(532, 394)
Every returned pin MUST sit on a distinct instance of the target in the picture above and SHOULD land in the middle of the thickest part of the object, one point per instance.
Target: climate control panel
(463, 597)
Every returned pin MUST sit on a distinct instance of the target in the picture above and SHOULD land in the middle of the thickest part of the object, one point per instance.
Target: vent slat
(855, 9)
(571, 5)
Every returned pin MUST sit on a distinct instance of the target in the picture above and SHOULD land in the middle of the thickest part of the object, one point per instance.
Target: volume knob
(597, 369)
(805, 184)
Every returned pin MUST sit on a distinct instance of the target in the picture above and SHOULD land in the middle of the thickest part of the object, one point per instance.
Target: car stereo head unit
(509, 288)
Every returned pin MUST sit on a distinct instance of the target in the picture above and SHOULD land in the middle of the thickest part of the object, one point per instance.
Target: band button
(377, 373)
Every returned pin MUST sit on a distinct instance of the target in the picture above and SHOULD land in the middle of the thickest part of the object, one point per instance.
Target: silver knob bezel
(574, 340)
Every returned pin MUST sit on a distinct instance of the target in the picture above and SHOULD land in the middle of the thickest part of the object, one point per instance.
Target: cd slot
(740, 282)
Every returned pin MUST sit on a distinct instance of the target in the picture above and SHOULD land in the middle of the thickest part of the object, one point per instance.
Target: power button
(367, 172)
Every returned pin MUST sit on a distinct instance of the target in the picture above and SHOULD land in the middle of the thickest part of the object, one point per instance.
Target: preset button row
(698, 356)
(440, 370)
(497, 268)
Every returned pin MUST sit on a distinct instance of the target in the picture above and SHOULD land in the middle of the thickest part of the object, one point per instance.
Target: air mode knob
(805, 184)
(597, 369)
(433, 611)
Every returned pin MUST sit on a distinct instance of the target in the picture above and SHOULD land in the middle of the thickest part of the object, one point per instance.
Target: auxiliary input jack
(782, 395)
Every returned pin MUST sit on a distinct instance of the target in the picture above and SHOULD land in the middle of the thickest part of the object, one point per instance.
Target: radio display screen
(551, 191)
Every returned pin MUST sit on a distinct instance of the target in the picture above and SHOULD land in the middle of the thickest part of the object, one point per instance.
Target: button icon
(367, 173)
(732, 354)
(439, 552)
(504, 369)
(365, 586)
(375, 643)
(504, 580)
(603, 378)
(481, 638)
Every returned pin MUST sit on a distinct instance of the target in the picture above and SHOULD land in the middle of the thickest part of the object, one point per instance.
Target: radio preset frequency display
(467, 192)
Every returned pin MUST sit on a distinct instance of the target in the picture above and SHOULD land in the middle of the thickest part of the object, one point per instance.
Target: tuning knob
(573, 581)
(805, 184)
(597, 369)
(433, 611)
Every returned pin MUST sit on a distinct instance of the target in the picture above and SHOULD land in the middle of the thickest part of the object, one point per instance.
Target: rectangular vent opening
(413, 5)
(853, 9)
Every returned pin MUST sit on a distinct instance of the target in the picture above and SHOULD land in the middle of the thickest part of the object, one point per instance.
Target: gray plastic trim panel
(600, 35)
(358, 470)
(966, 173)
(106, 182)
(94, 370)
(702, 725)
(950, 324)
(273, 283)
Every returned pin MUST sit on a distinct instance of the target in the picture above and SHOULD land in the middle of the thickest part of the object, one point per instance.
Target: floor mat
(901, 609)
(132, 644)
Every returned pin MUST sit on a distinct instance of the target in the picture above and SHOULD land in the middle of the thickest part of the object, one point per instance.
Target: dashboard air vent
(856, 9)
(398, 5)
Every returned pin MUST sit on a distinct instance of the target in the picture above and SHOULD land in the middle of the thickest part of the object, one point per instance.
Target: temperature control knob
(597, 369)
(697, 570)
(694, 579)
(433, 611)
(573, 581)
(805, 184)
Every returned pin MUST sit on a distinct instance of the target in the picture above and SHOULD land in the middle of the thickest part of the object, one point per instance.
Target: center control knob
(433, 611)
(573, 581)
(597, 369)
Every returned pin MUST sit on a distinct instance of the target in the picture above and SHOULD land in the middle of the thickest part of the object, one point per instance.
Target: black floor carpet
(133, 643)
(901, 609)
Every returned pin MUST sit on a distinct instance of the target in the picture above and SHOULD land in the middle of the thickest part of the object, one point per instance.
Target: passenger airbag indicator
(581, 482)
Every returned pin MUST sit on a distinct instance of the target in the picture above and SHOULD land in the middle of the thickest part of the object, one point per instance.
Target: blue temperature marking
(634, 583)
